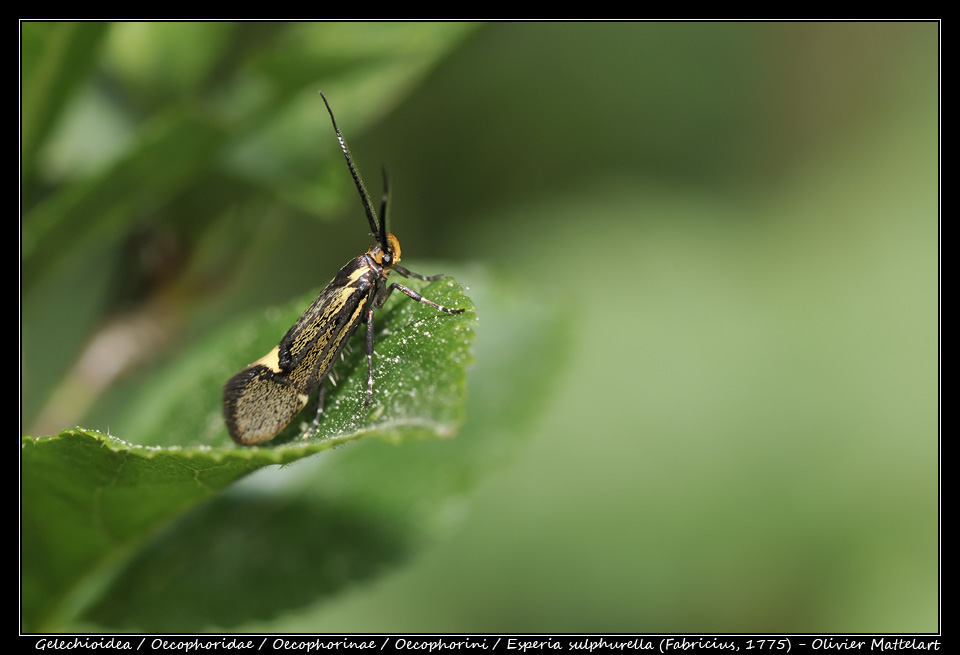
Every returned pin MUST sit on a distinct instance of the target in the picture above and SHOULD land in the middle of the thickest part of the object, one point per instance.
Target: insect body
(262, 399)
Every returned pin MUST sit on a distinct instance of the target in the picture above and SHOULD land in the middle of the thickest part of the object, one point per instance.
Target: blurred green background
(738, 221)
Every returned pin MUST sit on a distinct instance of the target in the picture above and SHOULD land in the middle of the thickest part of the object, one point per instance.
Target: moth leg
(416, 296)
(316, 419)
(405, 272)
(366, 402)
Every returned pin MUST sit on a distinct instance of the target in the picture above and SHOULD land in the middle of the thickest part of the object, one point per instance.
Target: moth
(262, 399)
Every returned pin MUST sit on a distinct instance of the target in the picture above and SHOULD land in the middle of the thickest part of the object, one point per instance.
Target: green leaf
(283, 540)
(99, 545)
(90, 498)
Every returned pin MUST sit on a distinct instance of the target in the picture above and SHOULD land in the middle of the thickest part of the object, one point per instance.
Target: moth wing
(257, 404)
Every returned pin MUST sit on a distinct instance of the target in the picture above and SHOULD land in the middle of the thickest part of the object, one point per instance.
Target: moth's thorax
(389, 259)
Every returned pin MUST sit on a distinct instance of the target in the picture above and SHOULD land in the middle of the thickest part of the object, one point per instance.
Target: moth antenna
(383, 212)
(362, 190)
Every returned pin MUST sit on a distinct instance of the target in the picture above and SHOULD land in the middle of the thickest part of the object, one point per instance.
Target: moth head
(387, 258)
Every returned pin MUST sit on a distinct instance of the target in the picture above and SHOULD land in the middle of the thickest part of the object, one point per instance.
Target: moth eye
(387, 258)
